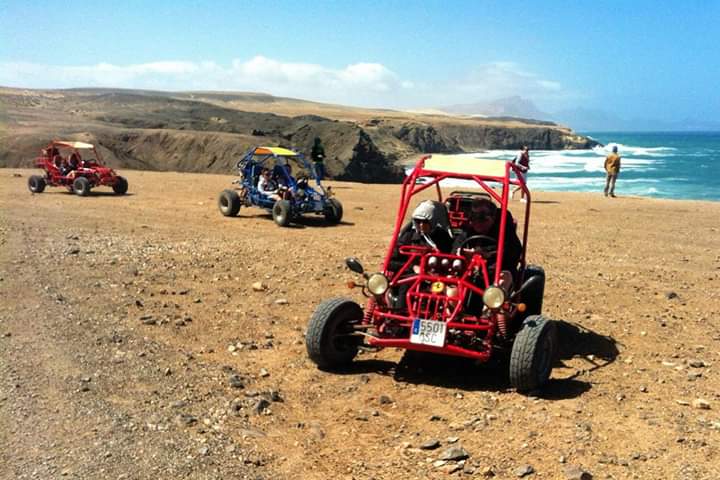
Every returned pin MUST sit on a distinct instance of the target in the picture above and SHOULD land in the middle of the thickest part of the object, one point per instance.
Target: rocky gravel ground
(147, 336)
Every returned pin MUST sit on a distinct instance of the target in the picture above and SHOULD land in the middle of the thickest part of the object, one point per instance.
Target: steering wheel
(486, 246)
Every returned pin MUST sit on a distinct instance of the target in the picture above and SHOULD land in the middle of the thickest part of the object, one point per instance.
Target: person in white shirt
(267, 186)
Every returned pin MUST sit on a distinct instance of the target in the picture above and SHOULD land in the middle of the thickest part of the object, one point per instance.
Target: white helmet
(424, 211)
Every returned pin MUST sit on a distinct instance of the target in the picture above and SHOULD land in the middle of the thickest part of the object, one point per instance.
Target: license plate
(428, 332)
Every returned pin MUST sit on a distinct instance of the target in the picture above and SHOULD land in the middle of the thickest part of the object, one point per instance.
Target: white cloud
(364, 83)
(505, 79)
(304, 80)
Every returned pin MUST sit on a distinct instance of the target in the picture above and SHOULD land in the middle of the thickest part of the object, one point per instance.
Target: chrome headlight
(377, 283)
(457, 265)
(494, 297)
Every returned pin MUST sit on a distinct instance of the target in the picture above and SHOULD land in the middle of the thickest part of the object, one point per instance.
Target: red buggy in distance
(76, 166)
(463, 303)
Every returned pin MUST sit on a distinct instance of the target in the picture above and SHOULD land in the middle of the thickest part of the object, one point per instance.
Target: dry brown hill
(208, 131)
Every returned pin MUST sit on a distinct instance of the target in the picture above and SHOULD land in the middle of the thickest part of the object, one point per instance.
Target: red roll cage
(482, 171)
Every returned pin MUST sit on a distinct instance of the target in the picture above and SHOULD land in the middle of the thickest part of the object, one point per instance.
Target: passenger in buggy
(69, 169)
(267, 186)
(430, 227)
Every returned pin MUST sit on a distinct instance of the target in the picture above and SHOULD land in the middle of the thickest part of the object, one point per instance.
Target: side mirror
(354, 265)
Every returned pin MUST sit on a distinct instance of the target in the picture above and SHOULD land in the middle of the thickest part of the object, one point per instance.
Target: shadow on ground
(304, 221)
(444, 371)
(93, 193)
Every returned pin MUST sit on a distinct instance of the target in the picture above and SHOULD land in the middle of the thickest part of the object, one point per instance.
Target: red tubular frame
(410, 189)
(382, 319)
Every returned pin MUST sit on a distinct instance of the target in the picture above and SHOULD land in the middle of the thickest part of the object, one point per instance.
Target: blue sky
(651, 59)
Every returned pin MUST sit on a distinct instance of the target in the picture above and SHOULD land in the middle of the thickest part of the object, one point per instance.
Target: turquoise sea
(680, 165)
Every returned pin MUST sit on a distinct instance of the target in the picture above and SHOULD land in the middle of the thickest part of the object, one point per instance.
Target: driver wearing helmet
(426, 229)
(485, 220)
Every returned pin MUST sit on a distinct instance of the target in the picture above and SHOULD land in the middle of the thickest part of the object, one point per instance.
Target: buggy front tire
(81, 186)
(121, 186)
(229, 203)
(333, 211)
(281, 213)
(328, 340)
(36, 184)
(533, 354)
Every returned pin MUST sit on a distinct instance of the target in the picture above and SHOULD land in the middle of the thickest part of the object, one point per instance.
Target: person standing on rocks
(523, 161)
(612, 169)
(318, 157)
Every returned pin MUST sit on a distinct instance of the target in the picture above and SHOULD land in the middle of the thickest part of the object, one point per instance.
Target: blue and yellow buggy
(292, 174)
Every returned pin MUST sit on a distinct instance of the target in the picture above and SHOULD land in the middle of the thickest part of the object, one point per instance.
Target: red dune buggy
(464, 302)
(76, 166)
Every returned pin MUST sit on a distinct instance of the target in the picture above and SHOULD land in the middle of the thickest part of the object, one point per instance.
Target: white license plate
(428, 332)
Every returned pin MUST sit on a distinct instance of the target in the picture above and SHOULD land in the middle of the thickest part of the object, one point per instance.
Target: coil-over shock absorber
(502, 324)
(369, 310)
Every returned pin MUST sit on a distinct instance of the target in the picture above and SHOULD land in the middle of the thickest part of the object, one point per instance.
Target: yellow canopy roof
(71, 144)
(466, 165)
(279, 151)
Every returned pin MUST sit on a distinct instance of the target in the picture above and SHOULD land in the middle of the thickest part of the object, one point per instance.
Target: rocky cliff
(209, 132)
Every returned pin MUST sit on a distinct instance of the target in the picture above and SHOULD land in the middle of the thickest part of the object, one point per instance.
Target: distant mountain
(582, 119)
(588, 119)
(516, 106)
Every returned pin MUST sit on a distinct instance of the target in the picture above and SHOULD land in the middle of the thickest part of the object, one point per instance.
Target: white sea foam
(630, 150)
(544, 182)
(580, 170)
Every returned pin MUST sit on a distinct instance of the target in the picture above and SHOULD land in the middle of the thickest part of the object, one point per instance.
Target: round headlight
(377, 283)
(494, 297)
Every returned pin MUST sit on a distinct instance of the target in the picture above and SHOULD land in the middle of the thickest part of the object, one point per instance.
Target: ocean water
(679, 165)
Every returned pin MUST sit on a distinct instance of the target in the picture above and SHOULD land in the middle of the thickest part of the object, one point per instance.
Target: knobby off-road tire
(533, 297)
(36, 184)
(81, 186)
(281, 213)
(533, 353)
(326, 339)
(229, 203)
(333, 211)
(121, 186)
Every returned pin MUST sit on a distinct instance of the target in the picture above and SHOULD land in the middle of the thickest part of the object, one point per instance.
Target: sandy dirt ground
(132, 344)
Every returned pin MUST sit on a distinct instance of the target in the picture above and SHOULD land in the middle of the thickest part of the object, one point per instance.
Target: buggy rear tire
(533, 354)
(36, 184)
(281, 213)
(533, 296)
(333, 211)
(121, 186)
(326, 340)
(229, 203)
(81, 186)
